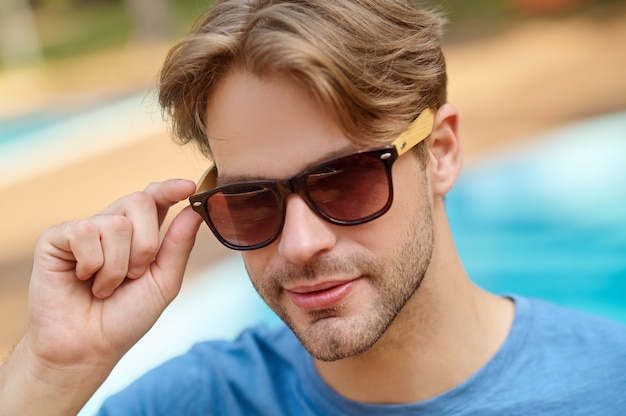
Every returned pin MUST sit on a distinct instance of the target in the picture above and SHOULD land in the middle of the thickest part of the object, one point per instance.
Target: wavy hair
(375, 64)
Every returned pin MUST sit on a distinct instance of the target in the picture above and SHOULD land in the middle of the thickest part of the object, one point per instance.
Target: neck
(446, 332)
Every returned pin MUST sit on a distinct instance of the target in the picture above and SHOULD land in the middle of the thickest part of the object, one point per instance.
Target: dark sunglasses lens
(350, 189)
(245, 215)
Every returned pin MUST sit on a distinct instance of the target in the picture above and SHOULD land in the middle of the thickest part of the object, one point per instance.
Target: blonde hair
(375, 64)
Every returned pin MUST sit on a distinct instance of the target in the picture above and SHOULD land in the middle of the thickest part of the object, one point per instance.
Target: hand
(99, 284)
(97, 287)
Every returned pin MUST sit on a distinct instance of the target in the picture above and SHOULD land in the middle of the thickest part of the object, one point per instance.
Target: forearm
(29, 386)
(97, 287)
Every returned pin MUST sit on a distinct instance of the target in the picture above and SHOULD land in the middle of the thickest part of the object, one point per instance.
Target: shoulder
(568, 326)
(253, 363)
(259, 337)
(566, 336)
(258, 347)
(573, 356)
(556, 361)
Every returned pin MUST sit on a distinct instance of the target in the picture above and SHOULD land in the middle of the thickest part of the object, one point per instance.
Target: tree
(151, 17)
(19, 39)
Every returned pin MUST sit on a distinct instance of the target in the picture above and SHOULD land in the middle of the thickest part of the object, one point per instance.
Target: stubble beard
(333, 334)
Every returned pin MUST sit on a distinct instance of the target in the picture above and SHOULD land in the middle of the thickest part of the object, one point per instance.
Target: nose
(304, 234)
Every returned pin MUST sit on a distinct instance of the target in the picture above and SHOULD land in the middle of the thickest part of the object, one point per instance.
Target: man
(333, 148)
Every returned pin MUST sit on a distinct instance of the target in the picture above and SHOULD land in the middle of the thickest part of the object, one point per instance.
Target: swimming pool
(547, 220)
(33, 144)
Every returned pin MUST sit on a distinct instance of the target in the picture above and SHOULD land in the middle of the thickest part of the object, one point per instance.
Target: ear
(445, 150)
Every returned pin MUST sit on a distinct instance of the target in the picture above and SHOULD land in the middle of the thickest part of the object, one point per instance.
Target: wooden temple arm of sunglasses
(417, 131)
(208, 179)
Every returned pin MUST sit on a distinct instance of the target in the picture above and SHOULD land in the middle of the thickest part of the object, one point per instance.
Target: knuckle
(117, 269)
(91, 264)
(145, 249)
(152, 187)
(43, 240)
(143, 201)
(46, 234)
(142, 198)
(82, 229)
(119, 224)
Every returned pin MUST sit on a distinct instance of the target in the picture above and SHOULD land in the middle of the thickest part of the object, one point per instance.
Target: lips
(323, 296)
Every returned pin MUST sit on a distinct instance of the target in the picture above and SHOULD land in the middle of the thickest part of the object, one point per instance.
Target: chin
(330, 335)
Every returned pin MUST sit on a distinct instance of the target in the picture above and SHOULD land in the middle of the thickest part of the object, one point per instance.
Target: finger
(87, 249)
(140, 209)
(168, 193)
(115, 237)
(146, 211)
(71, 245)
(171, 261)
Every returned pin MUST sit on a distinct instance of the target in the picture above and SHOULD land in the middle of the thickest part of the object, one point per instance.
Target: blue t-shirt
(554, 361)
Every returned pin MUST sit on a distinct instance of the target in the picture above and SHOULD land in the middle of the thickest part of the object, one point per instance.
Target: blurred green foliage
(72, 27)
(66, 32)
(474, 18)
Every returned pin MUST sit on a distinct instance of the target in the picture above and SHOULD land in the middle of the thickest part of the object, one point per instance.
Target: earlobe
(445, 150)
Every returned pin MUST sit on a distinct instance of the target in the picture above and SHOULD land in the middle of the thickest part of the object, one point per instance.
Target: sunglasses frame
(417, 131)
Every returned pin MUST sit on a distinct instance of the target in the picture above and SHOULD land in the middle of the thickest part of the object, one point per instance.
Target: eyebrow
(228, 179)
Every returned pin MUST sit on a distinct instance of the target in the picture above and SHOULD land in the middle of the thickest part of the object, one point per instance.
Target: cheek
(378, 237)
(411, 188)
(256, 262)
(410, 202)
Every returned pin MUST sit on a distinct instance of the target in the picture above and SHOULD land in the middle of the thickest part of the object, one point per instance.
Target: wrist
(32, 386)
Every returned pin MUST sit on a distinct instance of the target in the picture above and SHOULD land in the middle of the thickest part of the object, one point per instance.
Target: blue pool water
(14, 129)
(549, 220)
(33, 144)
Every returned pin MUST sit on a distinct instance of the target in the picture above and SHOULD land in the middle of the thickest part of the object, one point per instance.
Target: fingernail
(135, 272)
(103, 293)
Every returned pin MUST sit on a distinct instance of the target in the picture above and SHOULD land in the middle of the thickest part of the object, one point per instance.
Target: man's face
(337, 287)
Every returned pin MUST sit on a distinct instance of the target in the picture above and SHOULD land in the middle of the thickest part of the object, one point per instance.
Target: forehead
(270, 127)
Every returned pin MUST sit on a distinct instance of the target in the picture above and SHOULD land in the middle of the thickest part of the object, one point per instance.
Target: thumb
(171, 260)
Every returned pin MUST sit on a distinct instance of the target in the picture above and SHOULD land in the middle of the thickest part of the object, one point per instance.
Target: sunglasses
(346, 190)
